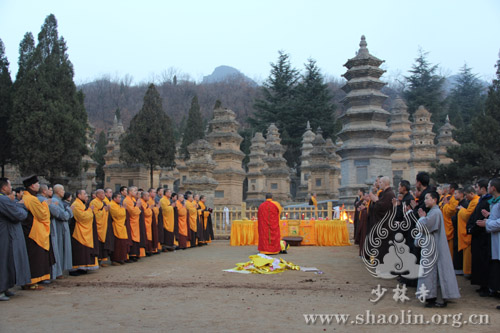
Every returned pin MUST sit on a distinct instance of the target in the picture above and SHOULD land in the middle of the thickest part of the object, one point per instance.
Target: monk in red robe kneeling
(269, 228)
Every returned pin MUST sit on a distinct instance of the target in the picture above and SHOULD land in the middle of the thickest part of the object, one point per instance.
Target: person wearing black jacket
(481, 241)
(404, 199)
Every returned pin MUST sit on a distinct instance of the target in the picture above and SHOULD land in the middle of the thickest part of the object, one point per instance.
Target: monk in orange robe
(449, 208)
(130, 203)
(464, 239)
(122, 242)
(104, 226)
(83, 242)
(181, 227)
(146, 218)
(268, 217)
(167, 203)
(36, 230)
(192, 211)
(154, 223)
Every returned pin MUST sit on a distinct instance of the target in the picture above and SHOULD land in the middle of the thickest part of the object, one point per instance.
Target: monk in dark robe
(382, 205)
(268, 218)
(104, 227)
(358, 202)
(192, 211)
(36, 230)
(131, 205)
(122, 242)
(181, 223)
(14, 262)
(206, 220)
(84, 244)
(481, 241)
(362, 216)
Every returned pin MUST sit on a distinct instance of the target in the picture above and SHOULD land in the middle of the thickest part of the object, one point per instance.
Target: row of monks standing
(127, 229)
(50, 235)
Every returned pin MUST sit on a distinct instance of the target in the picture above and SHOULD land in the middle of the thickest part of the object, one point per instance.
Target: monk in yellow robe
(146, 218)
(448, 207)
(104, 226)
(130, 203)
(181, 222)
(167, 217)
(464, 239)
(83, 242)
(314, 202)
(154, 223)
(118, 215)
(36, 230)
(192, 211)
(206, 220)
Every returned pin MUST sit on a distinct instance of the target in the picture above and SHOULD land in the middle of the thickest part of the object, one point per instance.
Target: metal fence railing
(222, 218)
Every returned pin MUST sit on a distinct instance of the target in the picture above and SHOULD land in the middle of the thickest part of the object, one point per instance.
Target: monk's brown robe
(122, 243)
(83, 242)
(36, 230)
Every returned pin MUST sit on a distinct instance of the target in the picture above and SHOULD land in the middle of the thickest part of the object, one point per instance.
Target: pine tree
(279, 96)
(149, 139)
(466, 100)
(98, 156)
(194, 129)
(49, 120)
(425, 88)
(477, 156)
(5, 110)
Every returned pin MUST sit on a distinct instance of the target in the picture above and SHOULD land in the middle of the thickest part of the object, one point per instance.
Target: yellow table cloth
(314, 232)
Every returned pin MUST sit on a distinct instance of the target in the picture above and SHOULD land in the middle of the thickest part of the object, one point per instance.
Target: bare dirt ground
(187, 291)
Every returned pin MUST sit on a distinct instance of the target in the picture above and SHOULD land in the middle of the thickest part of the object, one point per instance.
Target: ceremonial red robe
(269, 230)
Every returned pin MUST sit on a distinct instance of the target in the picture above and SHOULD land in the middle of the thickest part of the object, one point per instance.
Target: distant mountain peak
(223, 73)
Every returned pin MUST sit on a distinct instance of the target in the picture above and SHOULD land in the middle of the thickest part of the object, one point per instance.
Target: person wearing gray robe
(440, 280)
(56, 267)
(14, 262)
(62, 215)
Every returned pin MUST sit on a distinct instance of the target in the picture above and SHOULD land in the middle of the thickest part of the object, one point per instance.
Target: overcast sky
(144, 38)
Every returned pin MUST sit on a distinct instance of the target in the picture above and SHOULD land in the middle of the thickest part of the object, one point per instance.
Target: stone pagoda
(400, 139)
(445, 140)
(256, 179)
(422, 150)
(276, 171)
(229, 172)
(200, 167)
(319, 167)
(334, 161)
(118, 174)
(306, 149)
(365, 151)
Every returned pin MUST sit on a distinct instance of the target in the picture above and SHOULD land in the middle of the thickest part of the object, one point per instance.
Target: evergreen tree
(5, 110)
(49, 120)
(278, 96)
(477, 156)
(314, 104)
(98, 156)
(194, 129)
(425, 88)
(150, 137)
(466, 100)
